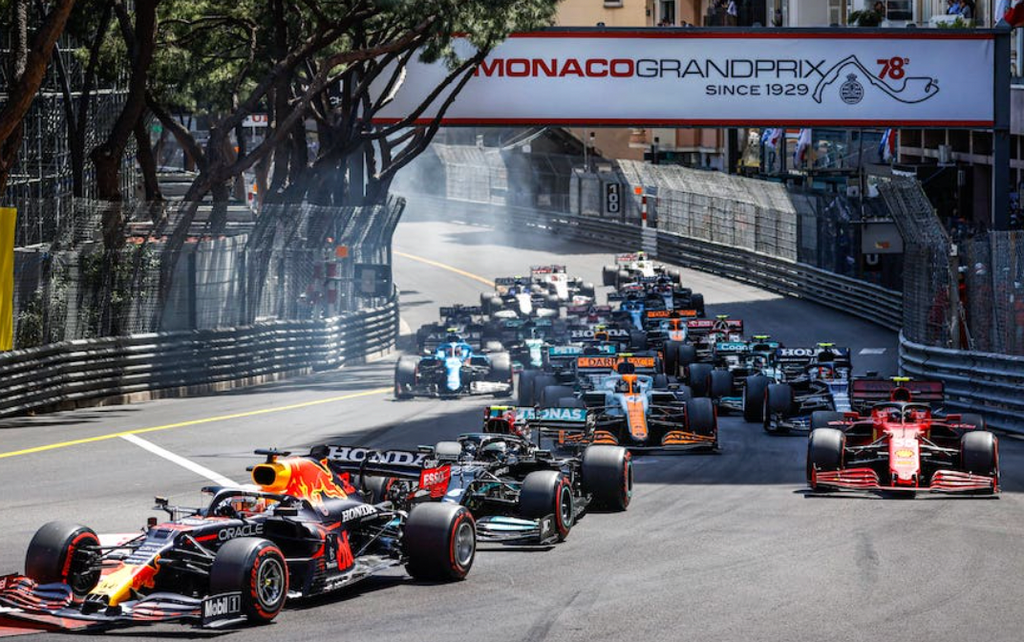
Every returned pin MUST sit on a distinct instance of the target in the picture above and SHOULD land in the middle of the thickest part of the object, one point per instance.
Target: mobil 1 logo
(222, 608)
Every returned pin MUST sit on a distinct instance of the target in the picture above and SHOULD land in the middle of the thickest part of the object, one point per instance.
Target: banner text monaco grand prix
(718, 78)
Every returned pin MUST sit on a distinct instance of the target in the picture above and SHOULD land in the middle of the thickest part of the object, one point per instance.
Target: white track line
(202, 471)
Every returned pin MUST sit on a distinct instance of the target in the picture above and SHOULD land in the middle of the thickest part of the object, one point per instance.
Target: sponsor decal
(905, 453)
(436, 479)
(8, 580)
(222, 607)
(596, 362)
(231, 532)
(370, 456)
(358, 512)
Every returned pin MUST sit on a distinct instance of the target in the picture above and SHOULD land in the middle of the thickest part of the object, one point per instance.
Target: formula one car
(812, 380)
(732, 363)
(463, 320)
(902, 447)
(517, 492)
(302, 530)
(633, 266)
(638, 411)
(516, 296)
(571, 289)
(557, 368)
(453, 370)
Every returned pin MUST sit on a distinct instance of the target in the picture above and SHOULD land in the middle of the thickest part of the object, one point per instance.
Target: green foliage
(865, 18)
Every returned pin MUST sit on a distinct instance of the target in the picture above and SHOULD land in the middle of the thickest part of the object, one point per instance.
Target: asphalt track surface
(714, 547)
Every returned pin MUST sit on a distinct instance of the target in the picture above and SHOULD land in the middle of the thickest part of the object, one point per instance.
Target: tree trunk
(147, 161)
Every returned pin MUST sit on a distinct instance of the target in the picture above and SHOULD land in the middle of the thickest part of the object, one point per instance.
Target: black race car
(303, 529)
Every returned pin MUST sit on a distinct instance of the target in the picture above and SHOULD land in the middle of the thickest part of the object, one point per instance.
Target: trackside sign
(691, 77)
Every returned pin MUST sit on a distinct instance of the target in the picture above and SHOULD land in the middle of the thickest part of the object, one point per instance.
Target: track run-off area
(724, 547)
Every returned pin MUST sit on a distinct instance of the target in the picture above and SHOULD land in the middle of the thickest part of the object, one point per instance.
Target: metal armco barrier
(91, 370)
(989, 384)
(855, 297)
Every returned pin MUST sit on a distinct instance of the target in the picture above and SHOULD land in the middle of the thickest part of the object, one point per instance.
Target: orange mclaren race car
(302, 530)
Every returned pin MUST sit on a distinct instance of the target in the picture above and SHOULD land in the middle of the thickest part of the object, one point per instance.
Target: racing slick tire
(551, 394)
(671, 353)
(754, 390)
(778, 399)
(701, 418)
(637, 340)
(659, 382)
(541, 381)
(405, 375)
(697, 303)
(622, 277)
(374, 488)
(675, 276)
(439, 541)
(973, 419)
(501, 372)
(571, 402)
(824, 452)
(485, 302)
(255, 567)
(588, 289)
(979, 453)
(698, 376)
(551, 301)
(608, 274)
(525, 387)
(686, 354)
(822, 418)
(548, 492)
(64, 552)
(719, 384)
(608, 476)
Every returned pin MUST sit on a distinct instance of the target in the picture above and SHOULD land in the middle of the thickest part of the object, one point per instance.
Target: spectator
(966, 10)
(879, 8)
(733, 13)
(777, 18)
(952, 7)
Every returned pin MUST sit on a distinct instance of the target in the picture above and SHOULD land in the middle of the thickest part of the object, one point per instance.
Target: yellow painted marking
(468, 275)
(194, 422)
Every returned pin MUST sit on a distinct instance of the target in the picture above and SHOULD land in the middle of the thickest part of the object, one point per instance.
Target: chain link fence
(291, 262)
(993, 270)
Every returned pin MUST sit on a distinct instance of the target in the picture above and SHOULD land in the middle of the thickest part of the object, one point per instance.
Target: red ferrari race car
(902, 446)
(303, 529)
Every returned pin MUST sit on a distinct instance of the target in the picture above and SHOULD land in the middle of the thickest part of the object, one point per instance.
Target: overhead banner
(721, 78)
(8, 215)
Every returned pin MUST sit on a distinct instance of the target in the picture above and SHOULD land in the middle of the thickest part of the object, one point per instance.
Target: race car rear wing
(867, 392)
(585, 310)
(456, 310)
(677, 313)
(590, 334)
(698, 327)
(592, 364)
(630, 257)
(547, 269)
(407, 464)
(794, 358)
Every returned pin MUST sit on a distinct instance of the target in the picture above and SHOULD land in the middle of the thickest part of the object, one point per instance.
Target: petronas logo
(851, 91)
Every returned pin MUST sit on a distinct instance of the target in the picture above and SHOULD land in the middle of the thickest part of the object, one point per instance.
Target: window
(899, 10)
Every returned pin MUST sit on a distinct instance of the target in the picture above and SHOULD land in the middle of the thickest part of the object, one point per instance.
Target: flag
(803, 143)
(1012, 11)
(7, 218)
(772, 136)
(887, 148)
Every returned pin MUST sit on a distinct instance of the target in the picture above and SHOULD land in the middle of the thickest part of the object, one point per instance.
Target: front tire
(825, 449)
(255, 567)
(979, 453)
(501, 372)
(608, 476)
(439, 541)
(65, 553)
(547, 492)
(699, 374)
(405, 376)
(753, 398)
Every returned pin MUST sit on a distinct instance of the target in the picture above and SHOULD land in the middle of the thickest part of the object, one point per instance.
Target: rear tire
(686, 355)
(525, 387)
(257, 568)
(622, 277)
(753, 398)
(671, 353)
(697, 301)
(720, 384)
(659, 382)
(501, 372)
(547, 492)
(439, 541)
(551, 394)
(66, 553)
(608, 476)
(541, 381)
(608, 274)
(778, 399)
(698, 376)
(824, 452)
(405, 376)
(587, 289)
